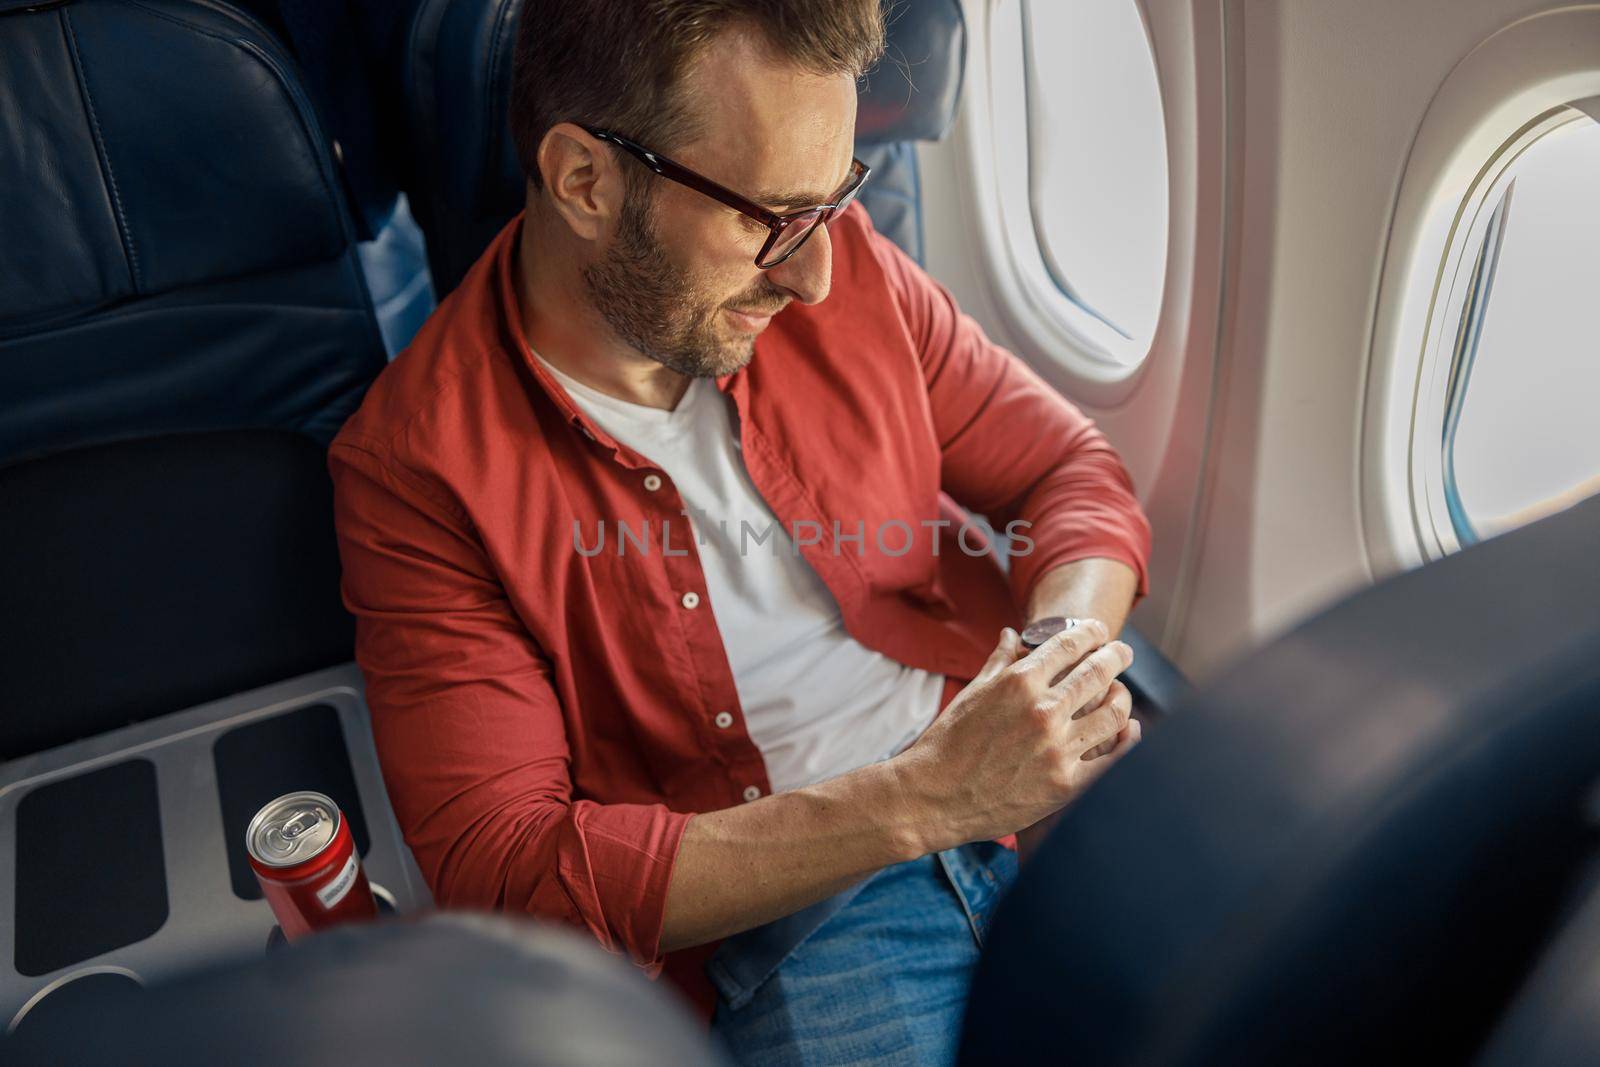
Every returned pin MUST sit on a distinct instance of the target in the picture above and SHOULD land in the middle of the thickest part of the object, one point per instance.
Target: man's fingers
(1108, 753)
(1105, 722)
(1125, 739)
(1061, 651)
(1129, 737)
(1104, 748)
(1094, 674)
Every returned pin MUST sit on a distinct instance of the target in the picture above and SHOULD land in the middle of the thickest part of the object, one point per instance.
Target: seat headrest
(1353, 842)
(912, 95)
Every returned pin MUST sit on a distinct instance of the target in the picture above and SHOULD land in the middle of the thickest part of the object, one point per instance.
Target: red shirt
(545, 719)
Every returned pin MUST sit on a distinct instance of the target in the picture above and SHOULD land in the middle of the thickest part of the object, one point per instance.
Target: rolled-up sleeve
(1012, 448)
(469, 727)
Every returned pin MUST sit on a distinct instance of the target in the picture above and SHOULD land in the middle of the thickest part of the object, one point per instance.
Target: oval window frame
(1515, 86)
(1093, 357)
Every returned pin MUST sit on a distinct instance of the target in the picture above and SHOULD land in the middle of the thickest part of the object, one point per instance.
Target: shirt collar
(515, 339)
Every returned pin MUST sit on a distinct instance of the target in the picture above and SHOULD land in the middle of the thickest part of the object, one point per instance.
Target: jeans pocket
(979, 873)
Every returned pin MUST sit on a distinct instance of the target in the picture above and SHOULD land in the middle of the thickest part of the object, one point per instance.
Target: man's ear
(583, 179)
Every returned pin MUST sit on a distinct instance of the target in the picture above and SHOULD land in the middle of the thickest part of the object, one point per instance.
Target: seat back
(1349, 848)
(466, 181)
(176, 252)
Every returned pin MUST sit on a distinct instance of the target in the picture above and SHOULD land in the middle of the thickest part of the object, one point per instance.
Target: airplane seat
(466, 181)
(491, 991)
(347, 52)
(1352, 847)
(183, 328)
(188, 258)
(1554, 1018)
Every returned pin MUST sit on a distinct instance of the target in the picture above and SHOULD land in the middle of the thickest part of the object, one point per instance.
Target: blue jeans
(877, 974)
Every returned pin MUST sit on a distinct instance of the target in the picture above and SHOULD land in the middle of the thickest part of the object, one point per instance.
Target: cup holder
(76, 993)
(387, 905)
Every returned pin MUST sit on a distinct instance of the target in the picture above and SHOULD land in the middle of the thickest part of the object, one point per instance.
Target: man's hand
(1016, 744)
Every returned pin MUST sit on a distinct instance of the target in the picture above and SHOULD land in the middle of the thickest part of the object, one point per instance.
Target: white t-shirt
(817, 702)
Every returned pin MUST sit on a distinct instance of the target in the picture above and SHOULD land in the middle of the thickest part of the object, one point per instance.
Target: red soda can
(305, 859)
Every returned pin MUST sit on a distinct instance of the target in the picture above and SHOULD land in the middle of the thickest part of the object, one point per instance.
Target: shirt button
(691, 599)
(752, 792)
(723, 720)
(652, 482)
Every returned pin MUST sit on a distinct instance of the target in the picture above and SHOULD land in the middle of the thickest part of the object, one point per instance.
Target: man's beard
(652, 306)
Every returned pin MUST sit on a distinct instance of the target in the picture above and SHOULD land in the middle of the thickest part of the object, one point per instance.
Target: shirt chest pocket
(883, 513)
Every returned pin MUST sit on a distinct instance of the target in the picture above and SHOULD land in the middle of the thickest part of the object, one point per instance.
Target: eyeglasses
(788, 231)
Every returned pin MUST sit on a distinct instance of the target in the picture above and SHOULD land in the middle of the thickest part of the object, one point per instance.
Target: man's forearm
(1096, 588)
(744, 866)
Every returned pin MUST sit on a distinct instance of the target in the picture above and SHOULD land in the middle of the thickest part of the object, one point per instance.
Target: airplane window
(1520, 429)
(1097, 164)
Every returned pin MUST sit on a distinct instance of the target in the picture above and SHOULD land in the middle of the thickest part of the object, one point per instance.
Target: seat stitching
(100, 149)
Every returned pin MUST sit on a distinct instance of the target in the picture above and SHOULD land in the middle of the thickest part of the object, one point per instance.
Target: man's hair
(619, 64)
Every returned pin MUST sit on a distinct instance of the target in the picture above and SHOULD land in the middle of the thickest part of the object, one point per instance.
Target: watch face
(1039, 631)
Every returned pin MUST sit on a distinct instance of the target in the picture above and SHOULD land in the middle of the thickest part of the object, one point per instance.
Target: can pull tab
(300, 823)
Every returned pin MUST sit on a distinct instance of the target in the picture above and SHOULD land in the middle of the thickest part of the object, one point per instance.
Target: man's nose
(808, 274)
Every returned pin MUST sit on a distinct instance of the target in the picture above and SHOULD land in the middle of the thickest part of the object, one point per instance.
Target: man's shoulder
(409, 395)
(436, 422)
(443, 383)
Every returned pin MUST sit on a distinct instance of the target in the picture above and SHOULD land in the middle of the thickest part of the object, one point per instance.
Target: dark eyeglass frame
(778, 225)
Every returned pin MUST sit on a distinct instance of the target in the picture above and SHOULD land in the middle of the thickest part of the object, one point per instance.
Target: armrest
(1154, 680)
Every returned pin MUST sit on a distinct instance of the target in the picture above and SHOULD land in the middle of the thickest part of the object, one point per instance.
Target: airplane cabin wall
(1289, 128)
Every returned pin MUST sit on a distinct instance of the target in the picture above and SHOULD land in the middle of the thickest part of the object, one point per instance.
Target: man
(671, 625)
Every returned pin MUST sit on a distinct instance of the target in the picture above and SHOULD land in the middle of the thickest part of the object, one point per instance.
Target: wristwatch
(1039, 631)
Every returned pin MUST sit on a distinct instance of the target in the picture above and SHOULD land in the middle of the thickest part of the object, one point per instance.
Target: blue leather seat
(176, 251)
(1349, 849)
(466, 181)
